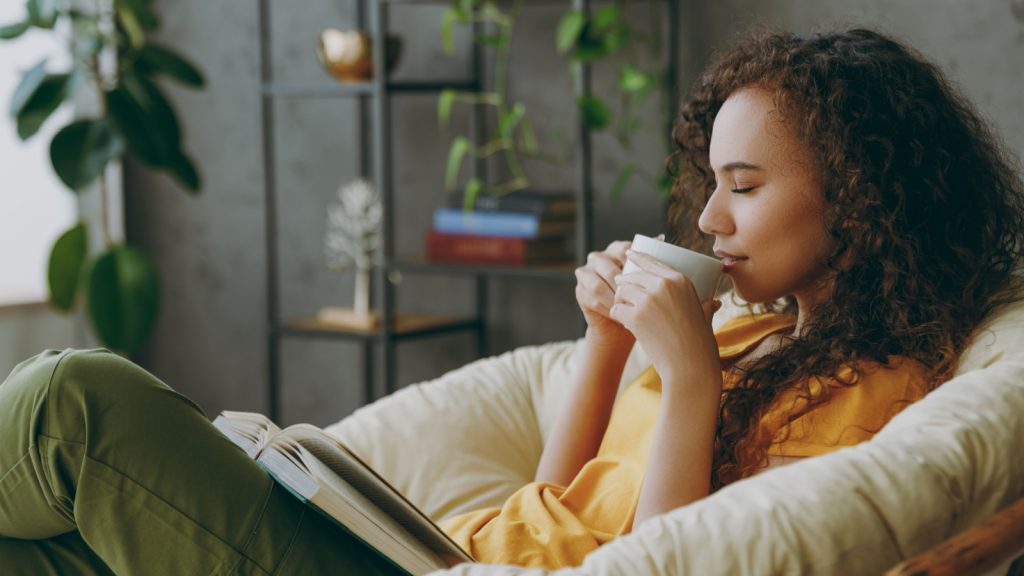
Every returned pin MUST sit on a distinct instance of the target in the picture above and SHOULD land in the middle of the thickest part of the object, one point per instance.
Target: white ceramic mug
(703, 271)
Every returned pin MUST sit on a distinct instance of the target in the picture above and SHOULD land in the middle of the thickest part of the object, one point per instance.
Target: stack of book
(520, 228)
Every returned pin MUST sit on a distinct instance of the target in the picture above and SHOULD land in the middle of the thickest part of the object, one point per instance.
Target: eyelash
(742, 190)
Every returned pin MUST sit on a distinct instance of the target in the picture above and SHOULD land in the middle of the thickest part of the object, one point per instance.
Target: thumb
(710, 307)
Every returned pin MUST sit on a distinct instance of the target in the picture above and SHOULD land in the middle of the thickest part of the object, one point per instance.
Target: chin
(754, 294)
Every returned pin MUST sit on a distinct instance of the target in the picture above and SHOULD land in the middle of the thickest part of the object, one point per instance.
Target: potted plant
(515, 138)
(112, 57)
(583, 38)
(604, 35)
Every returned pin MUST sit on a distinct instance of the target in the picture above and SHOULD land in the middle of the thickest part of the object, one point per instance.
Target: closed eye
(742, 190)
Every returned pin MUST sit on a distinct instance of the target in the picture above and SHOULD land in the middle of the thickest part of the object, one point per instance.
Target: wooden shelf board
(554, 270)
(328, 89)
(403, 325)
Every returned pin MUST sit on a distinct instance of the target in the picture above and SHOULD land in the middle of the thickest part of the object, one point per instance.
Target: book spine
(443, 247)
(507, 224)
(512, 203)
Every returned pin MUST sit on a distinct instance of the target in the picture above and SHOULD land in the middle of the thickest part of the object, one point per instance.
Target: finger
(617, 250)
(650, 264)
(660, 237)
(629, 294)
(593, 291)
(623, 314)
(605, 266)
(710, 307)
(642, 280)
(655, 280)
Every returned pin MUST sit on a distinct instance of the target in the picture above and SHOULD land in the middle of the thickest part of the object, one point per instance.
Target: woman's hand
(595, 293)
(660, 307)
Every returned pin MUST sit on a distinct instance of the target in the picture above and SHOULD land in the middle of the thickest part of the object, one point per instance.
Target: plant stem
(501, 76)
(104, 20)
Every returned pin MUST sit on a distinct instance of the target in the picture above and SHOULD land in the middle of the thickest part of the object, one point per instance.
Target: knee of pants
(87, 383)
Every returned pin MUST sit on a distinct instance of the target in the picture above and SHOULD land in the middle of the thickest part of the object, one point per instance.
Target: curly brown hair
(925, 206)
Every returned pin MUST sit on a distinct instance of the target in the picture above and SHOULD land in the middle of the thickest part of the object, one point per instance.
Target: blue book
(507, 224)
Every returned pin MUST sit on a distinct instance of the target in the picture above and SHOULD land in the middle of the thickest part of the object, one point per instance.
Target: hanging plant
(111, 56)
(601, 36)
(514, 139)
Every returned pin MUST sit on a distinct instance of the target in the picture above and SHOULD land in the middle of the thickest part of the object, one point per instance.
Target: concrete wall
(979, 43)
(210, 341)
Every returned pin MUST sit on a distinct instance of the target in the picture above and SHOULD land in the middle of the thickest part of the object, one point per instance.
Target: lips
(729, 260)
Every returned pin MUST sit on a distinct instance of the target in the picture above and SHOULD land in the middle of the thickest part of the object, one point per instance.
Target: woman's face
(766, 212)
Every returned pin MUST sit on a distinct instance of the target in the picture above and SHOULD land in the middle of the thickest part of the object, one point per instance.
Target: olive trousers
(106, 470)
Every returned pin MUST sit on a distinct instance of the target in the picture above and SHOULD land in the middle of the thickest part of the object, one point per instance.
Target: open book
(322, 472)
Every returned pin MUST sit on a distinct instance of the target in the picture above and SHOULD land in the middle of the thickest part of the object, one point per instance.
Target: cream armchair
(473, 436)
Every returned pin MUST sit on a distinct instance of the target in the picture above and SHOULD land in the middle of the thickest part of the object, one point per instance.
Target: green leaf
(65, 267)
(147, 121)
(132, 29)
(499, 41)
(30, 81)
(184, 171)
(124, 298)
(43, 13)
(634, 80)
(466, 7)
(444, 107)
(528, 138)
(595, 114)
(155, 58)
(12, 31)
(510, 119)
(589, 49)
(448, 21)
(569, 30)
(615, 39)
(141, 10)
(605, 19)
(625, 173)
(47, 97)
(473, 188)
(460, 146)
(82, 149)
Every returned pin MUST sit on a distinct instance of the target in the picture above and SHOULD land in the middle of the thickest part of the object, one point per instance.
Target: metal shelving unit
(374, 128)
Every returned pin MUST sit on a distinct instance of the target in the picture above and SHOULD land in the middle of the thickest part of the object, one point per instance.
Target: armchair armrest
(976, 550)
(463, 441)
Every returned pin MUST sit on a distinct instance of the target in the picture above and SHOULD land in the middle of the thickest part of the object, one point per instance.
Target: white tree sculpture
(353, 236)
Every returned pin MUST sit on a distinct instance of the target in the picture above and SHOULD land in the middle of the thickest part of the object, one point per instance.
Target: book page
(341, 461)
(305, 476)
(248, 430)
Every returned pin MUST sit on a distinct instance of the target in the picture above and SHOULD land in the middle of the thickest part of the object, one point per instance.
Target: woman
(839, 172)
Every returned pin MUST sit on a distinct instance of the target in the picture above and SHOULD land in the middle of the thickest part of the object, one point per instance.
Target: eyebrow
(739, 165)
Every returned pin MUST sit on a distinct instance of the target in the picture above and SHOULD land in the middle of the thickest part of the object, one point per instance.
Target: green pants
(104, 469)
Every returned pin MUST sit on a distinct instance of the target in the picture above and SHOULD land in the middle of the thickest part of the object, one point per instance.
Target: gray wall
(27, 329)
(210, 342)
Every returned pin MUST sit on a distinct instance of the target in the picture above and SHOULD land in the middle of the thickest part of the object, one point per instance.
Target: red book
(442, 247)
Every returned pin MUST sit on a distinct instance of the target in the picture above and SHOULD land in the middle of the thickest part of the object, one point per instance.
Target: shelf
(338, 89)
(405, 326)
(562, 271)
(506, 2)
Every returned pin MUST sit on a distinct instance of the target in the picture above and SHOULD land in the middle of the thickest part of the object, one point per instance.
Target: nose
(715, 219)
